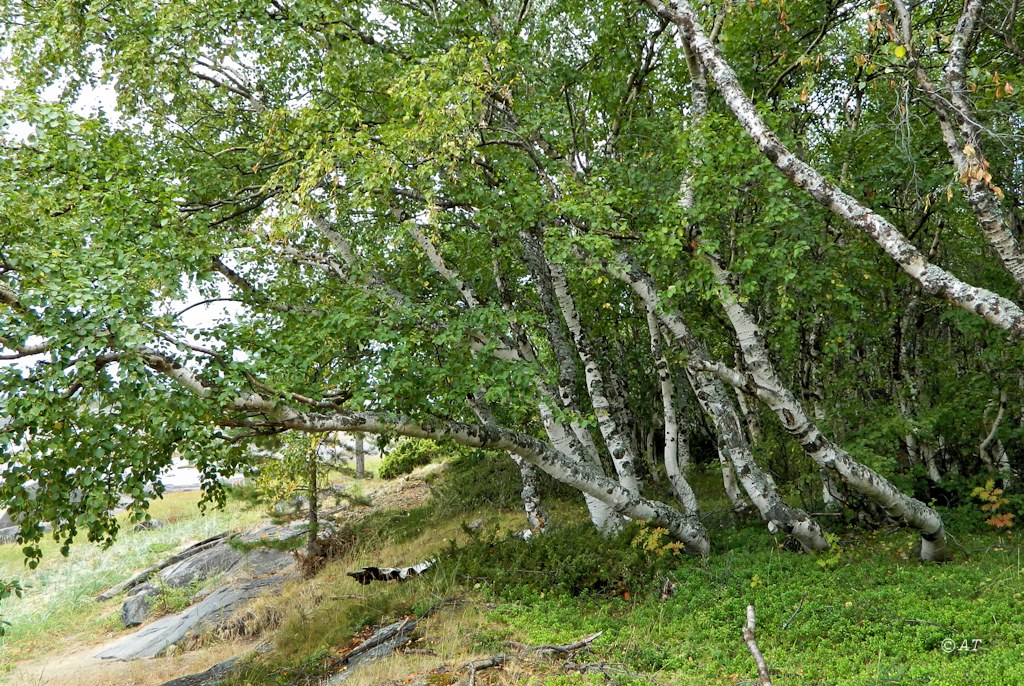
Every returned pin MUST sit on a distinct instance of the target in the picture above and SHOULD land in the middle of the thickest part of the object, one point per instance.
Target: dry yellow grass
(80, 668)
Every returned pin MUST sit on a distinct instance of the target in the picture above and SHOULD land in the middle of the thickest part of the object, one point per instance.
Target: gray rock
(199, 567)
(273, 533)
(148, 525)
(6, 522)
(211, 677)
(382, 643)
(156, 638)
(218, 559)
(137, 608)
(263, 561)
(9, 534)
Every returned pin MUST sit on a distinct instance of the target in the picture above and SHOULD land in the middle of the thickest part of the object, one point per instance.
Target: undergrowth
(867, 613)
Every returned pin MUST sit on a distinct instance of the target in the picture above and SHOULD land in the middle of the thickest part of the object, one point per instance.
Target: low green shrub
(570, 559)
(407, 455)
(483, 476)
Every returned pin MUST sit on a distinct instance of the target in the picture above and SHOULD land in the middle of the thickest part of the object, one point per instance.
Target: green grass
(58, 602)
(875, 618)
(867, 613)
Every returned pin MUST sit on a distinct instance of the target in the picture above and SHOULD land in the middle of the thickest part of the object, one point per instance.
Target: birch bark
(762, 380)
(992, 307)
(673, 465)
(714, 400)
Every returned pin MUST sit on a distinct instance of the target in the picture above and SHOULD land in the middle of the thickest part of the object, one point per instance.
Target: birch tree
(531, 228)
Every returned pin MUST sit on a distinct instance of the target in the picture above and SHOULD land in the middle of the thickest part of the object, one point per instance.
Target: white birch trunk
(553, 307)
(762, 380)
(620, 446)
(991, 450)
(564, 441)
(933, 279)
(714, 400)
(680, 486)
(681, 526)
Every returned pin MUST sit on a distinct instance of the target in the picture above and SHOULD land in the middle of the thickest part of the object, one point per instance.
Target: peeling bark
(549, 282)
(673, 467)
(714, 400)
(992, 307)
(620, 444)
(762, 380)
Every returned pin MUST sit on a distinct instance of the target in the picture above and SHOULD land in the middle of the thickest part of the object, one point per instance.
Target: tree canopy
(612, 239)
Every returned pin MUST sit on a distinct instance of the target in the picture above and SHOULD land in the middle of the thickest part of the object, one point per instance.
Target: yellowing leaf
(900, 52)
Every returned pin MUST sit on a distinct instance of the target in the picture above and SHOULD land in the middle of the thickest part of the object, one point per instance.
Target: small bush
(569, 559)
(407, 455)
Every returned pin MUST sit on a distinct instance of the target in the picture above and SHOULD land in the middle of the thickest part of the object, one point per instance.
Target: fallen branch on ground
(524, 651)
(748, 636)
(368, 574)
(551, 649)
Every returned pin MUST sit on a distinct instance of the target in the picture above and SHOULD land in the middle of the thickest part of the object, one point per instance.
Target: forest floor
(866, 613)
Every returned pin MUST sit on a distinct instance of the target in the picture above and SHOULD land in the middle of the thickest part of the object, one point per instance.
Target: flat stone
(274, 533)
(263, 561)
(154, 639)
(211, 677)
(201, 566)
(137, 608)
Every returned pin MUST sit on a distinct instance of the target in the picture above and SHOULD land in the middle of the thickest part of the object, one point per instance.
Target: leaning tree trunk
(935, 280)
(574, 441)
(715, 401)
(278, 414)
(683, 527)
(620, 445)
(554, 301)
(762, 380)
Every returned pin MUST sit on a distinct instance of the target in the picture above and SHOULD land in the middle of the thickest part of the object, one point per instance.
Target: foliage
(567, 559)
(7, 589)
(406, 456)
(279, 156)
(993, 503)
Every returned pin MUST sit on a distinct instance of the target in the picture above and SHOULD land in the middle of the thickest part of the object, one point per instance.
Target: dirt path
(75, 664)
(80, 668)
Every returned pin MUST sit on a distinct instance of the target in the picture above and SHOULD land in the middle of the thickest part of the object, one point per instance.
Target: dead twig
(799, 605)
(480, 665)
(525, 651)
(551, 649)
(748, 636)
